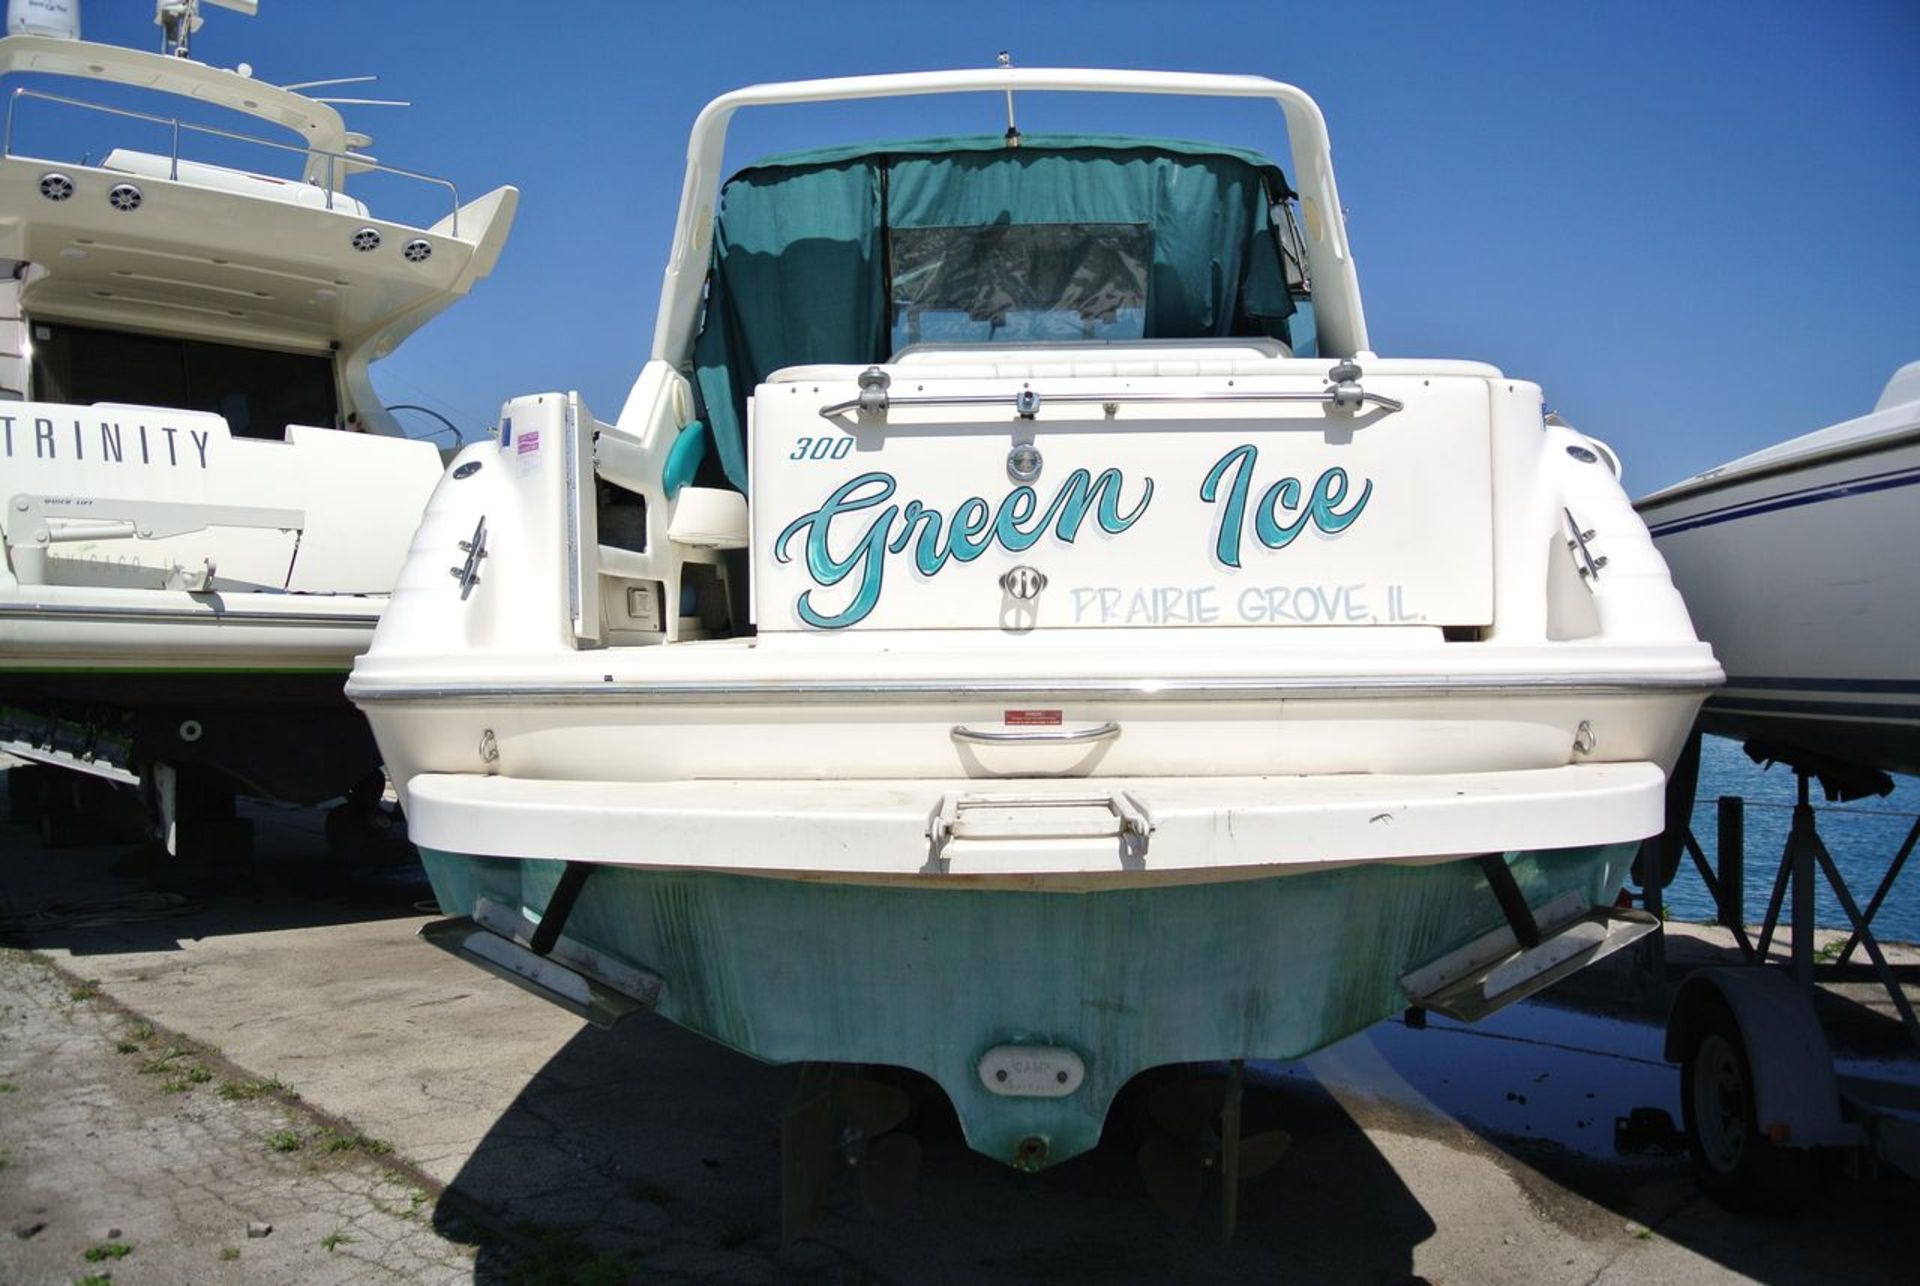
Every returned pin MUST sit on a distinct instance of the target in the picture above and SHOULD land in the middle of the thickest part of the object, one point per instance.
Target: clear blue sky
(1697, 225)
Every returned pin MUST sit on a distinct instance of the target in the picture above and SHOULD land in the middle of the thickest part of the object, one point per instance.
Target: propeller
(836, 1121)
(1195, 1127)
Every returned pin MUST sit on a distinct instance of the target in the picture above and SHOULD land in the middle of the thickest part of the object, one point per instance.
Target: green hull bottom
(932, 978)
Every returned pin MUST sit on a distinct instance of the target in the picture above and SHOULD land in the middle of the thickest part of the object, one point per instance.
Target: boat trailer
(1760, 1092)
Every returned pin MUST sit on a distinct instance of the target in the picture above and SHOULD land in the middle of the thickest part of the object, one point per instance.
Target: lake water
(1863, 837)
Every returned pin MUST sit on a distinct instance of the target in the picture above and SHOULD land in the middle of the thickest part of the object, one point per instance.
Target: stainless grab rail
(363, 163)
(1325, 396)
(1055, 736)
(1345, 394)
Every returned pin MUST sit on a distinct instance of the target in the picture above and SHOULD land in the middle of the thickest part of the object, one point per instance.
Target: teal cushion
(684, 458)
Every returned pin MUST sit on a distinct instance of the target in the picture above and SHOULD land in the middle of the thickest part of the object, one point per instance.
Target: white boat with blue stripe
(1795, 563)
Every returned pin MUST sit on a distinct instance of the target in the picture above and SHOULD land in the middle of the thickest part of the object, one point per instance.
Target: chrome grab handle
(1053, 736)
(875, 399)
(1327, 397)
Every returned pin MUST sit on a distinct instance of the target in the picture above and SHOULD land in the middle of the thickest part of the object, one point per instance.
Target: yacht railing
(338, 164)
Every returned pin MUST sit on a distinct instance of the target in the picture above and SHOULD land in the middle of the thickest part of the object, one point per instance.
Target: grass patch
(126, 1046)
(650, 1192)
(286, 1141)
(229, 1253)
(336, 1239)
(87, 990)
(162, 1062)
(8, 1087)
(332, 1141)
(247, 1091)
(107, 1250)
(141, 1032)
(6, 1158)
(179, 1080)
(94, 1279)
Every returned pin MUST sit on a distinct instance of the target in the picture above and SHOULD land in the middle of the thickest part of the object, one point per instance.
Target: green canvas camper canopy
(844, 255)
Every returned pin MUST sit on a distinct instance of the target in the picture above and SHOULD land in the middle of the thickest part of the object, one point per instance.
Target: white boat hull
(79, 629)
(163, 575)
(905, 812)
(1793, 563)
(1083, 706)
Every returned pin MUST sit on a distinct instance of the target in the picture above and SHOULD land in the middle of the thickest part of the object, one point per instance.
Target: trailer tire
(1733, 1159)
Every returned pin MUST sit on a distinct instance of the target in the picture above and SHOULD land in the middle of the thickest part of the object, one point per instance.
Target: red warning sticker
(1033, 718)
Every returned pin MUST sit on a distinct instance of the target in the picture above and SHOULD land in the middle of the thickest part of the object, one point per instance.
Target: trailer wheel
(1733, 1159)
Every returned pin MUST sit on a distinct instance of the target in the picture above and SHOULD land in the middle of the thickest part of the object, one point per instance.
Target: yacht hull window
(258, 391)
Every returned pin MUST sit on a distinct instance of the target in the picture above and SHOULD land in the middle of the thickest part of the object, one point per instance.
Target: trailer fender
(1796, 1098)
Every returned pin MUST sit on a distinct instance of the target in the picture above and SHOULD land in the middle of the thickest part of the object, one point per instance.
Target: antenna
(334, 80)
(179, 19)
(1013, 131)
(348, 102)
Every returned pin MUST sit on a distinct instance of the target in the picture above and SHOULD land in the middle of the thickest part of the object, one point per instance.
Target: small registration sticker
(1033, 718)
(529, 442)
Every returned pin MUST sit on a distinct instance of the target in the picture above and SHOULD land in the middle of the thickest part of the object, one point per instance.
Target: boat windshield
(847, 255)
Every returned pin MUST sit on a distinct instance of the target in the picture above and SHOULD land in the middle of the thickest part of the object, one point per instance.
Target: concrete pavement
(1449, 1155)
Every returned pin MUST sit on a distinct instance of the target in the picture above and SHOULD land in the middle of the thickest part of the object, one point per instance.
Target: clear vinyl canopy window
(1019, 283)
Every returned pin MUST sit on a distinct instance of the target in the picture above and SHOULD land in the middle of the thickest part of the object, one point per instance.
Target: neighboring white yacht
(205, 501)
(1018, 630)
(1792, 562)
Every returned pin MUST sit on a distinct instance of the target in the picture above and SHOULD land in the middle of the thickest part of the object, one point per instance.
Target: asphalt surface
(491, 1137)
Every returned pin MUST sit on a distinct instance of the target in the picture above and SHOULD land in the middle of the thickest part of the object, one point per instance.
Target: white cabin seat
(220, 178)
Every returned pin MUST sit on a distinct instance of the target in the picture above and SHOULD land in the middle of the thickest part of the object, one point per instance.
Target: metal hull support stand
(1804, 852)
